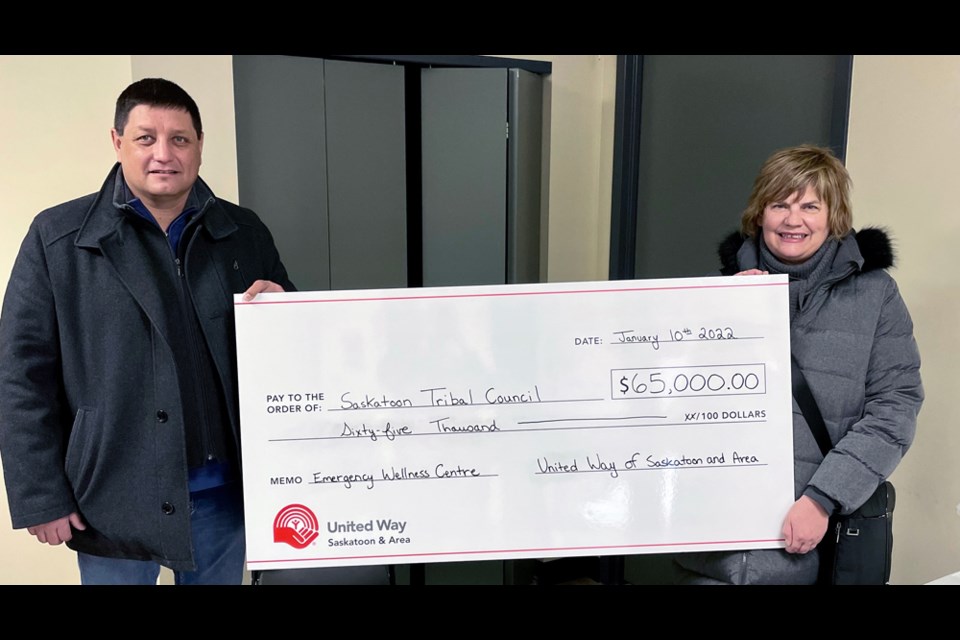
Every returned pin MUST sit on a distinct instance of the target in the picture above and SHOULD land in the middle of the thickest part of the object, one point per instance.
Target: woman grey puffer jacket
(853, 339)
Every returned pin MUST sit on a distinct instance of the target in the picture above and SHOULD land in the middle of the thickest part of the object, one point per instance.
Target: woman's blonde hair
(792, 170)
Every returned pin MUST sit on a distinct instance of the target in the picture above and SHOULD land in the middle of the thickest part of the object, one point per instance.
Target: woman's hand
(804, 526)
(753, 272)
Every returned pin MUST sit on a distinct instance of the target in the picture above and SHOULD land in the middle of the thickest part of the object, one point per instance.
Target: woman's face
(794, 228)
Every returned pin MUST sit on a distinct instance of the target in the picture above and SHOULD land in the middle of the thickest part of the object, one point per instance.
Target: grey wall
(707, 124)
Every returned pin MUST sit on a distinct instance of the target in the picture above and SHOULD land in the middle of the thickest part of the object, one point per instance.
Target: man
(118, 396)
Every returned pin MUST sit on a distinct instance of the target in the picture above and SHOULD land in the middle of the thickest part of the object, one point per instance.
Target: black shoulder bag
(857, 547)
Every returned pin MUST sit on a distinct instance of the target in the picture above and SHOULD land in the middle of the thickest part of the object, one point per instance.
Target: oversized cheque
(467, 423)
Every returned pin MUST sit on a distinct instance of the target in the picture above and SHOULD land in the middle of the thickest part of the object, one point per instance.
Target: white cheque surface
(470, 423)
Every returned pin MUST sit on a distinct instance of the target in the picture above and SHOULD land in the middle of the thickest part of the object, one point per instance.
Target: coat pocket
(81, 448)
(238, 279)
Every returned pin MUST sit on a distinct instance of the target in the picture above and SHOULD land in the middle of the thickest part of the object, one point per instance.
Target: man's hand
(753, 272)
(261, 286)
(53, 533)
(804, 526)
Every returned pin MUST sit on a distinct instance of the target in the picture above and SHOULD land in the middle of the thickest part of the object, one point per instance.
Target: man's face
(160, 155)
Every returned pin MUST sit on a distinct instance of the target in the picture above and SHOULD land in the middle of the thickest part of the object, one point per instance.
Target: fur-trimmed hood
(873, 250)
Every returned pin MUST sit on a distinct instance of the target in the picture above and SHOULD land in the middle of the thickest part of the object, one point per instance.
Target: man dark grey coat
(91, 418)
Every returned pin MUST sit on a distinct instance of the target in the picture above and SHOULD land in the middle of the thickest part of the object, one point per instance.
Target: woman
(852, 337)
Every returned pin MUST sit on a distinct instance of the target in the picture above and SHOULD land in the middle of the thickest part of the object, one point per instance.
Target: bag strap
(809, 408)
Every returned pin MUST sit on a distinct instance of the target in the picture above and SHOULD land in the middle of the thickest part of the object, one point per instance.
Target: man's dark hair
(155, 92)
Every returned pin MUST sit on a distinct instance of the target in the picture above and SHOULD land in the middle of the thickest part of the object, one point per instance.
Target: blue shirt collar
(175, 230)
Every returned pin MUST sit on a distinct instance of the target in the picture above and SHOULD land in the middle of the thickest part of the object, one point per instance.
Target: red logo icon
(296, 525)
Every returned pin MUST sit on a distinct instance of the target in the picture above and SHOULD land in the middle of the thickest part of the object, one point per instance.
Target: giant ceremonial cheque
(471, 423)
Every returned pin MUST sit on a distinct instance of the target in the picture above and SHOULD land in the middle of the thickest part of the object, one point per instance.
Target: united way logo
(296, 525)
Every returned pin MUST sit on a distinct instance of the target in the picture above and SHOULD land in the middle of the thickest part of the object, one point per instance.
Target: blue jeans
(216, 524)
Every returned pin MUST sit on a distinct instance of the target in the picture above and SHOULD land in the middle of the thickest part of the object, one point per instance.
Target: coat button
(167, 508)
(161, 416)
